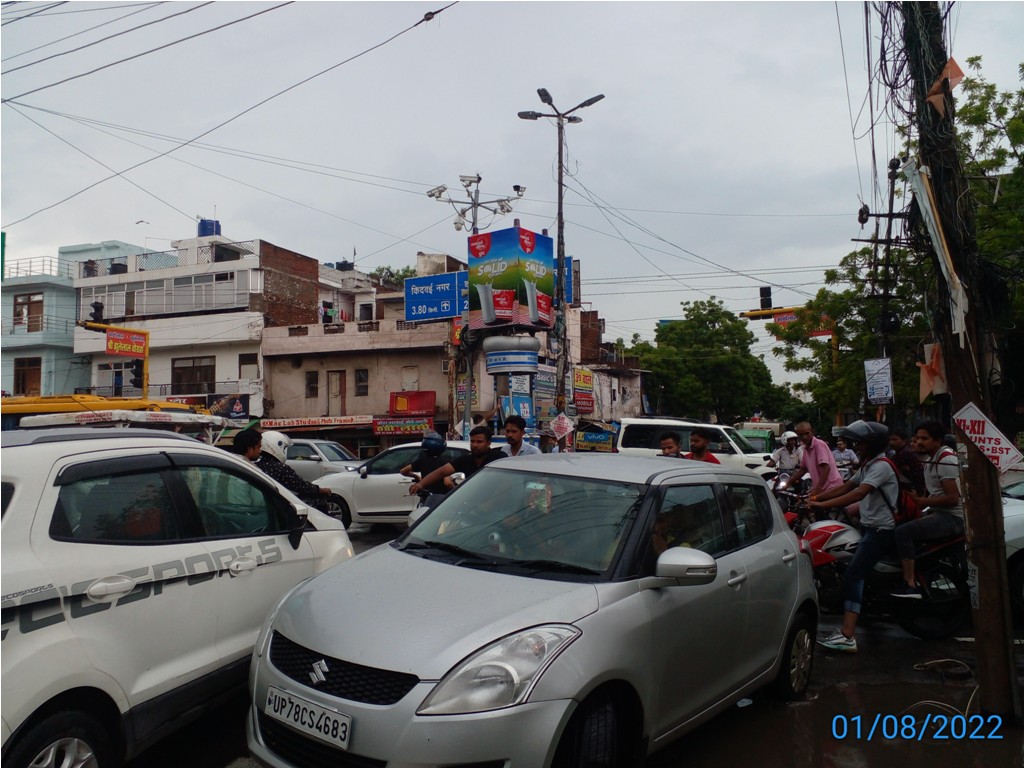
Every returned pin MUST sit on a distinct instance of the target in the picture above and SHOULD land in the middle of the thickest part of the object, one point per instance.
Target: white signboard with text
(980, 430)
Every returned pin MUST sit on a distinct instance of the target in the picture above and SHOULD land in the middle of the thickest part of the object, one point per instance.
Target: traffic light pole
(140, 365)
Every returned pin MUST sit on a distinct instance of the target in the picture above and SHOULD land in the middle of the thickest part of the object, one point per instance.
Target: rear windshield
(649, 435)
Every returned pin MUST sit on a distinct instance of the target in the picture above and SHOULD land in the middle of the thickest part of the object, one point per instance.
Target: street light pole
(561, 327)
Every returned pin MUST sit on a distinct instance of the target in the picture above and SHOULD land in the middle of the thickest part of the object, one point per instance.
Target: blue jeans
(874, 544)
(935, 525)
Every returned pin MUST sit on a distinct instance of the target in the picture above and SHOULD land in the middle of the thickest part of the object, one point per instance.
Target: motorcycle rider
(817, 461)
(429, 459)
(870, 440)
(787, 456)
(846, 458)
(269, 451)
(945, 508)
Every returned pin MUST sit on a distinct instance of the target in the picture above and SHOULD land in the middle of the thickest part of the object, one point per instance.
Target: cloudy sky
(732, 149)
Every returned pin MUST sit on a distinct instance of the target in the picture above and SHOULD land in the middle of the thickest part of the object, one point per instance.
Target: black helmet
(433, 444)
(871, 432)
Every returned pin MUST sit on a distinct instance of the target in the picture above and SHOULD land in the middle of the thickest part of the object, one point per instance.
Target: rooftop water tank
(209, 227)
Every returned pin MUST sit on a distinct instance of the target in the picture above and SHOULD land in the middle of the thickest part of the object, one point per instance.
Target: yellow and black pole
(125, 342)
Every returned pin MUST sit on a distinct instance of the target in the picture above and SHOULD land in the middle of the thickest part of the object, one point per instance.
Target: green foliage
(393, 276)
(701, 366)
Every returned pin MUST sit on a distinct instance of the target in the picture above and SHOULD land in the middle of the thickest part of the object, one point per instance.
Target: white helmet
(277, 445)
(787, 436)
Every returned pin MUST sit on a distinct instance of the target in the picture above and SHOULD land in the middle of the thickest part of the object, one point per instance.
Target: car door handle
(739, 578)
(112, 585)
(789, 557)
(406, 480)
(241, 565)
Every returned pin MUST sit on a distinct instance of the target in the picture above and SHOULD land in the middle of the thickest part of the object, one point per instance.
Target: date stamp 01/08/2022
(910, 728)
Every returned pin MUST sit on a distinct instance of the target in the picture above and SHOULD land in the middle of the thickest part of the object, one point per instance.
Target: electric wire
(33, 13)
(849, 100)
(145, 7)
(151, 50)
(109, 37)
(427, 17)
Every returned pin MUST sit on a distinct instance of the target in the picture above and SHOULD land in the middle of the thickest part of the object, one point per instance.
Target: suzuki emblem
(319, 668)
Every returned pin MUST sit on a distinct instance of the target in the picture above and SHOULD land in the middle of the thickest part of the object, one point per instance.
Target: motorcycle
(941, 568)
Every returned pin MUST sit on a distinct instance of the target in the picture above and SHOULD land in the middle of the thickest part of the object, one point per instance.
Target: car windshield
(336, 452)
(740, 440)
(1014, 491)
(547, 524)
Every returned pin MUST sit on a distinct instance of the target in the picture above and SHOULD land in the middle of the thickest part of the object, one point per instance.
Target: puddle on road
(802, 735)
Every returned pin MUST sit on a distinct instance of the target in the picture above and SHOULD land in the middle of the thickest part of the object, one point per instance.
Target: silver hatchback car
(555, 610)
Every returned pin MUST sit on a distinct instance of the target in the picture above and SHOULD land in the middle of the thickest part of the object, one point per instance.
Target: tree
(852, 309)
(392, 276)
(702, 366)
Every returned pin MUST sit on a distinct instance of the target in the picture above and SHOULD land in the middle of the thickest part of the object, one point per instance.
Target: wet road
(894, 674)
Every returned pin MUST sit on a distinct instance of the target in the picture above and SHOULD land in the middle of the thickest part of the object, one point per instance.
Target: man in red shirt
(699, 439)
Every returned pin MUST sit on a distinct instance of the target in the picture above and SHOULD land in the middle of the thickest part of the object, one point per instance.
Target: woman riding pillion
(876, 488)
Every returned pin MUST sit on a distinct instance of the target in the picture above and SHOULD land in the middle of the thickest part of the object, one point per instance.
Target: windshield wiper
(553, 565)
(444, 546)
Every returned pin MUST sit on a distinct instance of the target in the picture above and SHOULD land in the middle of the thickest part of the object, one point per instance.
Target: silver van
(642, 437)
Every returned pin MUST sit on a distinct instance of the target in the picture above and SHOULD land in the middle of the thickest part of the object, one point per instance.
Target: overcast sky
(732, 149)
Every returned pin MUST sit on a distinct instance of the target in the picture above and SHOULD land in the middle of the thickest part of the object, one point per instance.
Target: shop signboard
(410, 427)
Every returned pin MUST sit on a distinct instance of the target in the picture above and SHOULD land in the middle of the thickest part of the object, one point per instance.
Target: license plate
(303, 715)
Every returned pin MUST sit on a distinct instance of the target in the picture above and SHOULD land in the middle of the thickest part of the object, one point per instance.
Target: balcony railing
(148, 261)
(163, 391)
(38, 324)
(42, 265)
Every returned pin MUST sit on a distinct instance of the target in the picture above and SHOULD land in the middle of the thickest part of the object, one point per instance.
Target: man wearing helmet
(269, 452)
(429, 459)
(787, 457)
(870, 440)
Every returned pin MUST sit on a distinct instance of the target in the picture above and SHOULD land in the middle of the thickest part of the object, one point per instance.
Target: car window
(7, 495)
(689, 517)
(453, 453)
(750, 510)
(300, 451)
(336, 452)
(125, 508)
(740, 440)
(649, 435)
(230, 504)
(390, 462)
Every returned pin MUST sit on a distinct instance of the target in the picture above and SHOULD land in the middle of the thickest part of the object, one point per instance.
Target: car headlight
(501, 674)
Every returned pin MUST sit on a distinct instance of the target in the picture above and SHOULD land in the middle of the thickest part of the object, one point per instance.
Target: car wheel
(797, 660)
(595, 737)
(63, 740)
(336, 507)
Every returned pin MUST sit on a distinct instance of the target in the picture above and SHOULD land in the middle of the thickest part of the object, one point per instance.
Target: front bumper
(395, 736)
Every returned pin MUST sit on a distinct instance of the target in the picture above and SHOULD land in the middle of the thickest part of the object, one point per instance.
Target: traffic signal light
(97, 311)
(766, 297)
(137, 374)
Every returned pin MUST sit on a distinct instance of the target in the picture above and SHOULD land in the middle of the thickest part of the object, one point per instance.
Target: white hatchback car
(554, 611)
(138, 567)
(375, 492)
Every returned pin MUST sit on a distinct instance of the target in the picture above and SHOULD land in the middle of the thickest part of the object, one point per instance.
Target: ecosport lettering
(40, 607)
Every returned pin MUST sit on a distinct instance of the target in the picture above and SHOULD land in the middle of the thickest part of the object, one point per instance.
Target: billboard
(511, 279)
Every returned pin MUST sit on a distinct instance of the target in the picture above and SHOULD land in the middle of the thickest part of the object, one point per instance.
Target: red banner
(127, 343)
(412, 404)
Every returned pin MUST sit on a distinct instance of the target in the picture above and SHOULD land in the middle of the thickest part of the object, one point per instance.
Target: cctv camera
(504, 207)
(459, 224)
(436, 192)
(519, 190)
(468, 180)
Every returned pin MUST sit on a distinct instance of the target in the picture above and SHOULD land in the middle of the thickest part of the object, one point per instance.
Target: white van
(642, 437)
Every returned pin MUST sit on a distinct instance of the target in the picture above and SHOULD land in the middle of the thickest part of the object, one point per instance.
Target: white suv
(642, 437)
(138, 567)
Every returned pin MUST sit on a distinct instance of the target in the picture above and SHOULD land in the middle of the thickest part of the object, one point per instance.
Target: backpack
(907, 507)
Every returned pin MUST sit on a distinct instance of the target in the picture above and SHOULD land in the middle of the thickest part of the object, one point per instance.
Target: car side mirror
(297, 516)
(362, 472)
(458, 478)
(688, 566)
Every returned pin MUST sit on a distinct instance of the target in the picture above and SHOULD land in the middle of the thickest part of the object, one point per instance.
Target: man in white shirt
(515, 429)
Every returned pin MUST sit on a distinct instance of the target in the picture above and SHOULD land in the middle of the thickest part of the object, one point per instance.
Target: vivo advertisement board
(511, 279)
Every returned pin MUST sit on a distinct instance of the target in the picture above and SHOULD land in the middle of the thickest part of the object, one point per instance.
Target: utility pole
(962, 339)
(470, 206)
(561, 327)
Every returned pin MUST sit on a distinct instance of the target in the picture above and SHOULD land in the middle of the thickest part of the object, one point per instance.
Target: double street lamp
(561, 331)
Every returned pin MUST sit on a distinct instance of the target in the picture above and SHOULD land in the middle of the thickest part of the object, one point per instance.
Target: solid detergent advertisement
(511, 279)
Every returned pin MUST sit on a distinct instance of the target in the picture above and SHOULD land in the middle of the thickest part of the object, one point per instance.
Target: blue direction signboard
(436, 297)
